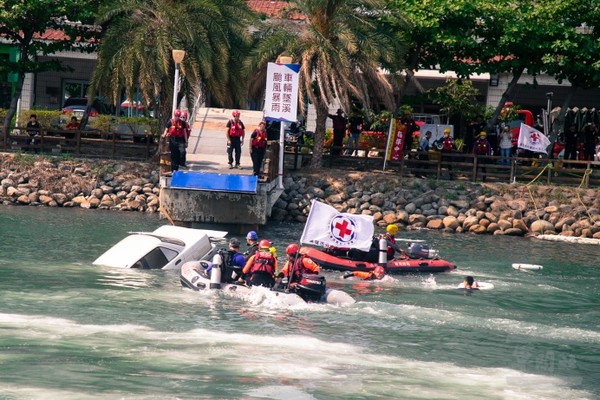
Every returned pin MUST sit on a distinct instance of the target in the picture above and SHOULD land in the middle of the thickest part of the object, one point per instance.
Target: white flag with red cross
(326, 226)
(532, 139)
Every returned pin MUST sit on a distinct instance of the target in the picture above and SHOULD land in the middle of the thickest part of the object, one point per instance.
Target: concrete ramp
(208, 130)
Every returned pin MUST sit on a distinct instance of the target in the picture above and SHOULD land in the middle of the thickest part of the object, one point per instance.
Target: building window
(74, 89)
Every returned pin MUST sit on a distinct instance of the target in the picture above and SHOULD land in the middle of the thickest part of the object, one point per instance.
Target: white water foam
(312, 368)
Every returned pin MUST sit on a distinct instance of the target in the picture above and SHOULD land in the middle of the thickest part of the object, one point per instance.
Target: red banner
(397, 141)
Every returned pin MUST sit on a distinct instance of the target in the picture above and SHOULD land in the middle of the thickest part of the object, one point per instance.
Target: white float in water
(529, 267)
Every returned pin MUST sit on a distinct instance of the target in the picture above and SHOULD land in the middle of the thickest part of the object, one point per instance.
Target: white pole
(281, 152)
(175, 82)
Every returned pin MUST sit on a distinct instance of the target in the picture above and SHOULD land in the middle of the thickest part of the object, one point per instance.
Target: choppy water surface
(74, 331)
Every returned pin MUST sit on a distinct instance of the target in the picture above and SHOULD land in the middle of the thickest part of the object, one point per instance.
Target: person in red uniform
(377, 273)
(235, 139)
(188, 133)
(176, 131)
(258, 146)
(260, 268)
(299, 263)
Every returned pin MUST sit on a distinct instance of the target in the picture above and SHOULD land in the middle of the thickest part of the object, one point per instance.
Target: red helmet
(184, 115)
(291, 249)
(177, 113)
(379, 272)
(264, 244)
(235, 113)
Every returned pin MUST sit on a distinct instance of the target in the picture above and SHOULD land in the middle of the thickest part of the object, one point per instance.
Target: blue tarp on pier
(214, 182)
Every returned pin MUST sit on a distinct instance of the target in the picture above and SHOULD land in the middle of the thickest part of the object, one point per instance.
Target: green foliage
(380, 122)
(341, 47)
(22, 160)
(136, 50)
(451, 196)
(46, 118)
(457, 96)
(23, 20)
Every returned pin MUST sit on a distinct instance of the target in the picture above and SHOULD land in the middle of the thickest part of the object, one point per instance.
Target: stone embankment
(56, 182)
(449, 206)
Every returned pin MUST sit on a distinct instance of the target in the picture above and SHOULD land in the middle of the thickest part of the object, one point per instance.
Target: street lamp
(178, 56)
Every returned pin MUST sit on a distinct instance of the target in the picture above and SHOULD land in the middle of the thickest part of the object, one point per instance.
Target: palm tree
(136, 49)
(342, 47)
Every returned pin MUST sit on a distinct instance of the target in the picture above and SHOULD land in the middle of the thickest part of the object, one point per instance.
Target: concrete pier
(207, 159)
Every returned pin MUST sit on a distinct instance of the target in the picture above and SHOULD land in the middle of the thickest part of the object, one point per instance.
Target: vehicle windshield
(156, 259)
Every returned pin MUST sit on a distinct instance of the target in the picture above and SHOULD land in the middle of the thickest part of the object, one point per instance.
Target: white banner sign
(532, 139)
(281, 95)
(326, 226)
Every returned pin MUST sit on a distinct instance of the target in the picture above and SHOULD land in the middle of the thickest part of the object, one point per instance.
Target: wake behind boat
(194, 276)
(168, 247)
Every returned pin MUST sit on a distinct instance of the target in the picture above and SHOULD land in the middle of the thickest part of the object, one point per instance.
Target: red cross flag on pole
(326, 226)
(532, 139)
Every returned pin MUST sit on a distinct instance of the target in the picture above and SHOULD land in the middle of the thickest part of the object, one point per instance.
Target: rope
(548, 166)
(587, 172)
(163, 210)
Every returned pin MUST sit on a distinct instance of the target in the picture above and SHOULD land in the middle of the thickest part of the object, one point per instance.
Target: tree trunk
(18, 87)
(513, 83)
(13, 103)
(317, 157)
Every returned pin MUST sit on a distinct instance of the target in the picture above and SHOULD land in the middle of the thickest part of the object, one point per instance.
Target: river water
(74, 331)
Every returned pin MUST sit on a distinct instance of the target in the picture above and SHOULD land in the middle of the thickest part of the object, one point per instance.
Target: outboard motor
(311, 288)
(417, 250)
(215, 272)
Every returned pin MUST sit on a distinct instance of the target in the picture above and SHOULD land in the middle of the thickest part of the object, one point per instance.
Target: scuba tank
(215, 272)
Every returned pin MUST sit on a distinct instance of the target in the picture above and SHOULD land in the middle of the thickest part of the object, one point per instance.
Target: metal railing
(80, 143)
(455, 165)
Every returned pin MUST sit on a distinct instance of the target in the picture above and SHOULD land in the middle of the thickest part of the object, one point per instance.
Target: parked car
(75, 106)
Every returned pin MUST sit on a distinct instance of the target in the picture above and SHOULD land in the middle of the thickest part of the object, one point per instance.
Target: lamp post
(178, 56)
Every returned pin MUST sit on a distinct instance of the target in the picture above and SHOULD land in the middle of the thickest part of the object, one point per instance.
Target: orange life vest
(263, 262)
(177, 129)
(260, 139)
(235, 128)
(447, 143)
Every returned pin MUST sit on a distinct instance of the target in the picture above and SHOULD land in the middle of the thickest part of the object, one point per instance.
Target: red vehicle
(522, 116)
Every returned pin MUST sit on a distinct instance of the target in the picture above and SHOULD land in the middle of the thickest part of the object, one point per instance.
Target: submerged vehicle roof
(129, 250)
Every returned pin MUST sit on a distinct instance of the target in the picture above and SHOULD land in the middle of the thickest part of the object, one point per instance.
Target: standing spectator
(339, 131)
(33, 129)
(235, 139)
(446, 146)
(356, 126)
(411, 126)
(424, 144)
(482, 148)
(505, 145)
(176, 132)
(258, 146)
(590, 133)
(571, 143)
(188, 133)
(473, 130)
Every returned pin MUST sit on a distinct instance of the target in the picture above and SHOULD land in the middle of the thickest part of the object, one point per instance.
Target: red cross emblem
(534, 137)
(343, 229)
